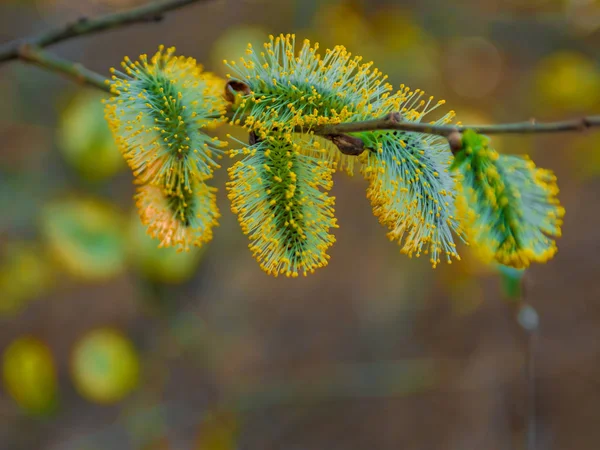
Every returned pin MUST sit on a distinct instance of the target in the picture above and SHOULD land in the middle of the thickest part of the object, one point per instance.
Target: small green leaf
(511, 281)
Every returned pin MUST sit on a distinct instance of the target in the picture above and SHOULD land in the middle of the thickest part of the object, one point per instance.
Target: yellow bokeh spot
(568, 81)
(85, 140)
(233, 43)
(104, 366)
(163, 264)
(86, 237)
(25, 273)
(30, 375)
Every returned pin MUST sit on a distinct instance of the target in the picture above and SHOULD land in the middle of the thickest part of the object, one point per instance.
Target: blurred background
(109, 342)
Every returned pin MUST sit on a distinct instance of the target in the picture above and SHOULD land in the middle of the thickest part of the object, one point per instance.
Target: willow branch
(74, 71)
(30, 50)
(337, 133)
(151, 12)
(394, 121)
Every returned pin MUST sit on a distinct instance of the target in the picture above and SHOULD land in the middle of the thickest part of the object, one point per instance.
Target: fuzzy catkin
(510, 206)
(410, 188)
(280, 196)
(158, 115)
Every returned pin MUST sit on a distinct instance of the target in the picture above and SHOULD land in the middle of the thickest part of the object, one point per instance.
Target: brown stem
(75, 71)
(393, 121)
(150, 12)
(348, 145)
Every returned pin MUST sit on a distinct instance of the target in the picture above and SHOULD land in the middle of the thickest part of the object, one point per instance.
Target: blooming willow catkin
(510, 205)
(410, 188)
(157, 115)
(279, 195)
(413, 193)
(162, 107)
(289, 91)
(178, 221)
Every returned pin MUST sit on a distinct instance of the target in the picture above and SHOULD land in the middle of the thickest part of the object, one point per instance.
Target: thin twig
(531, 394)
(528, 319)
(394, 121)
(151, 12)
(75, 71)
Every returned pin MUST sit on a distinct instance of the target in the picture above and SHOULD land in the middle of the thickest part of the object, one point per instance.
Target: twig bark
(528, 321)
(74, 71)
(151, 12)
(394, 121)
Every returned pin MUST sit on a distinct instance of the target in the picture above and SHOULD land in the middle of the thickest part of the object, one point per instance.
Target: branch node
(234, 87)
(24, 51)
(348, 145)
(78, 69)
(252, 138)
(455, 141)
(394, 117)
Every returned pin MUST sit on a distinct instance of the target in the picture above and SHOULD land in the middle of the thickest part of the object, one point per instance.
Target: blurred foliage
(567, 81)
(511, 281)
(25, 273)
(164, 265)
(30, 375)
(386, 35)
(85, 236)
(85, 139)
(104, 366)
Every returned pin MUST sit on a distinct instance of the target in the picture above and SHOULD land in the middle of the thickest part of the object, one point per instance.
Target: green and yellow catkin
(509, 205)
(281, 95)
(160, 109)
(290, 90)
(157, 115)
(280, 196)
(411, 191)
(178, 221)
